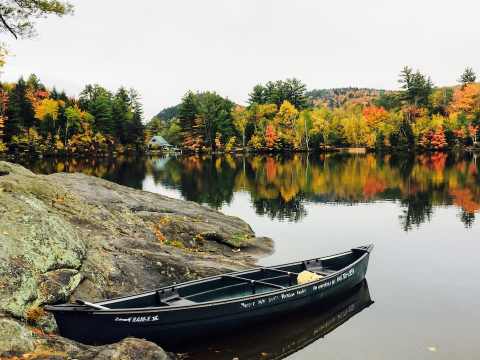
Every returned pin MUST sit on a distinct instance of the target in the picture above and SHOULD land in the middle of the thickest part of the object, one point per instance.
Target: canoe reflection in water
(277, 339)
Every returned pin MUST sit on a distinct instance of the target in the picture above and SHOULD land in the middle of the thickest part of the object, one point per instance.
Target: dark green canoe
(177, 313)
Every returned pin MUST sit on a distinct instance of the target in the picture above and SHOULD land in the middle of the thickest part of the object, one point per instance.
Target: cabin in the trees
(159, 143)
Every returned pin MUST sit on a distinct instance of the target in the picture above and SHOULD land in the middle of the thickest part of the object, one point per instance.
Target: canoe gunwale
(160, 309)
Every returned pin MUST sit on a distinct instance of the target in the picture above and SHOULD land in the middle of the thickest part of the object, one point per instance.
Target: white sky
(163, 48)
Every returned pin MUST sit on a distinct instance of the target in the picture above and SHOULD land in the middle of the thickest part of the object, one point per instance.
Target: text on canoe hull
(296, 293)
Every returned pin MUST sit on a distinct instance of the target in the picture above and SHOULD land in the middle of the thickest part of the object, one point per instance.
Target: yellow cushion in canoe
(307, 276)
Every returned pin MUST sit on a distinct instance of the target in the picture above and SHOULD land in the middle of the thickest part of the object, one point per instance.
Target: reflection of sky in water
(149, 185)
(423, 282)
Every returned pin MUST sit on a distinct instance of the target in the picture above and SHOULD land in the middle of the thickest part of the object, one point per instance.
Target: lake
(421, 212)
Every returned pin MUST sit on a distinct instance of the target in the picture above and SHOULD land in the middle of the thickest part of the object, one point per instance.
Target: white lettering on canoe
(335, 281)
(138, 319)
(296, 293)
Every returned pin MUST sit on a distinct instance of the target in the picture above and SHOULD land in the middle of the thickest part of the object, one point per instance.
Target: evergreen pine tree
(187, 113)
(98, 102)
(417, 87)
(257, 96)
(135, 128)
(137, 125)
(122, 114)
(33, 82)
(467, 77)
(101, 109)
(20, 111)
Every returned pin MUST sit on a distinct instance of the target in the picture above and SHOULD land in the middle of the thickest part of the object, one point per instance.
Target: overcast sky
(163, 48)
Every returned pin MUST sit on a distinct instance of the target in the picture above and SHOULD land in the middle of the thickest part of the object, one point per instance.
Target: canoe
(189, 310)
(283, 336)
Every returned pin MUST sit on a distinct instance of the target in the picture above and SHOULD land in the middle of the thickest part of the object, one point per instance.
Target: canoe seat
(164, 298)
(318, 267)
(321, 270)
(172, 298)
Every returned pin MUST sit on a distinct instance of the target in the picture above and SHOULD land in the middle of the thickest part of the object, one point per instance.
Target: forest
(284, 116)
(34, 119)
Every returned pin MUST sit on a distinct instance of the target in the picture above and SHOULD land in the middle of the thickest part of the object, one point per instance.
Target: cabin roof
(159, 140)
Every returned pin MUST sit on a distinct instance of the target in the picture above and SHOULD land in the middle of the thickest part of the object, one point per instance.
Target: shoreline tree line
(283, 116)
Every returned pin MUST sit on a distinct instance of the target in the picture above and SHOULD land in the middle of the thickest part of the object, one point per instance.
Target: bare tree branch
(8, 27)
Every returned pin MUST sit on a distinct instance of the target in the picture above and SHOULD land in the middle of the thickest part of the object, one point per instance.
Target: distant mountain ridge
(338, 97)
(168, 113)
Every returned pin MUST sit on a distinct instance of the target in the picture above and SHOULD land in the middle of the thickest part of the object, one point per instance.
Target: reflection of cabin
(158, 142)
(159, 164)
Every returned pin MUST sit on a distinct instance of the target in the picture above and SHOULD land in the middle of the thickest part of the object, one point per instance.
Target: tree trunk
(306, 134)
(66, 133)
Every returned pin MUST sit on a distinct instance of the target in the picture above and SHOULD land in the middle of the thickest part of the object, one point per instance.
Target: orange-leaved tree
(271, 137)
(434, 139)
(374, 115)
(466, 99)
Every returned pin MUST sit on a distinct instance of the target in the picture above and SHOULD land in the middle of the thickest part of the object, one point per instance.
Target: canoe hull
(169, 326)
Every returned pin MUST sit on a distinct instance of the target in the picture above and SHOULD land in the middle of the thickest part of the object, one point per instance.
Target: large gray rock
(68, 236)
(17, 341)
(34, 241)
(127, 349)
(14, 338)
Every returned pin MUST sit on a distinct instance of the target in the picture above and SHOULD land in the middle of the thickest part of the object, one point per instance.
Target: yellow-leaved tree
(47, 110)
(285, 123)
(355, 129)
(240, 117)
(321, 129)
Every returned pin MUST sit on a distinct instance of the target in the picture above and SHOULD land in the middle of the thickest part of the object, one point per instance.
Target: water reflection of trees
(280, 186)
(126, 170)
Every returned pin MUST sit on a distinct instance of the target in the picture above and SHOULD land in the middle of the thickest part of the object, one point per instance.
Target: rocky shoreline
(70, 236)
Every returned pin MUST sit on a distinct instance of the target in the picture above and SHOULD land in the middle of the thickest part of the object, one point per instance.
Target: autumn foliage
(270, 137)
(375, 115)
(40, 120)
(434, 139)
(466, 99)
(282, 116)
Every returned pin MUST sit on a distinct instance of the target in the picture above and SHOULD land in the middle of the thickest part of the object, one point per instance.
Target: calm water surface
(422, 213)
